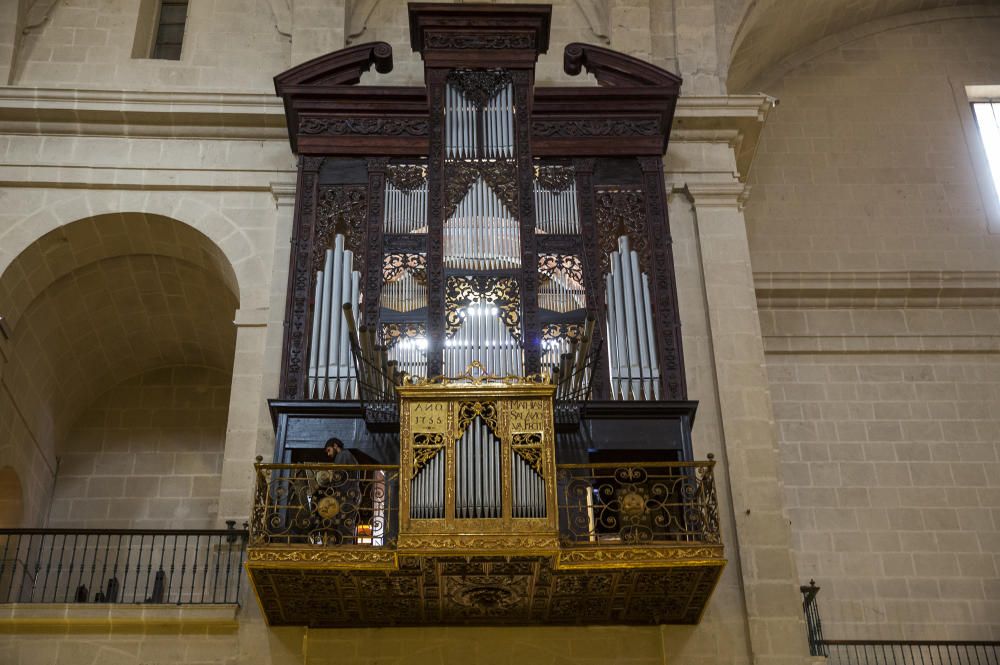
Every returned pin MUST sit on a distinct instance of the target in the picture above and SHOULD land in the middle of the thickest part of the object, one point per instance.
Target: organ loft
(482, 308)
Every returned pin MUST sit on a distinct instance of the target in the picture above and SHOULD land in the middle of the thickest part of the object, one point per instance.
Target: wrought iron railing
(636, 503)
(891, 652)
(325, 504)
(121, 566)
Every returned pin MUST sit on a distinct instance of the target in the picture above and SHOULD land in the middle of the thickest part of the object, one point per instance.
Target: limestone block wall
(228, 45)
(146, 454)
(876, 262)
(865, 165)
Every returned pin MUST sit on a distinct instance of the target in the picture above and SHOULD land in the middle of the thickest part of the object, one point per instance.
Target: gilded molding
(341, 557)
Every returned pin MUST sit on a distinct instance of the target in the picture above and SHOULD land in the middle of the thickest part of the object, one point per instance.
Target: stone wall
(147, 454)
(876, 263)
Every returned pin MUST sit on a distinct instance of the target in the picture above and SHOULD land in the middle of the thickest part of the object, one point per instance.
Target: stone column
(773, 606)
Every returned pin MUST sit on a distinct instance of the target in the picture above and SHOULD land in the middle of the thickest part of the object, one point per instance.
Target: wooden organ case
(469, 257)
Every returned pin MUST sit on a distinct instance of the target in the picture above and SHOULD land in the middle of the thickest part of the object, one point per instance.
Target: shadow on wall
(94, 304)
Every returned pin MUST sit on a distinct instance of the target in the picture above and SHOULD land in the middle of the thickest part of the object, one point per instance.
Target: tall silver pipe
(326, 319)
(640, 320)
(314, 343)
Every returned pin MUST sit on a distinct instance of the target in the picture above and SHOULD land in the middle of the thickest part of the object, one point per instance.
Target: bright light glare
(988, 117)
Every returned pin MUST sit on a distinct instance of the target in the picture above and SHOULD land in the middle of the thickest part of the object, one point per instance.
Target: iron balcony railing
(891, 652)
(614, 505)
(638, 503)
(325, 504)
(121, 566)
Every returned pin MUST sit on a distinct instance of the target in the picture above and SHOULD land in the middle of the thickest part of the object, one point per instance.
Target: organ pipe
(331, 372)
(462, 125)
(405, 210)
(483, 337)
(635, 372)
(555, 212)
(481, 234)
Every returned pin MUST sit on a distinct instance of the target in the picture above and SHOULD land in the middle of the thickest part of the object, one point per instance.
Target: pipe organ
(635, 372)
(332, 373)
(497, 258)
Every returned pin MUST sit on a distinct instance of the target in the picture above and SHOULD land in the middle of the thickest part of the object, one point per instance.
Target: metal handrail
(883, 652)
(125, 566)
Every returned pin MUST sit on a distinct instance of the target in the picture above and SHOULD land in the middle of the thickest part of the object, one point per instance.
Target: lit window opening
(988, 118)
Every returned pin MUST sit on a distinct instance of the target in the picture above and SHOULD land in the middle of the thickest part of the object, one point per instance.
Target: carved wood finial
(343, 67)
(615, 69)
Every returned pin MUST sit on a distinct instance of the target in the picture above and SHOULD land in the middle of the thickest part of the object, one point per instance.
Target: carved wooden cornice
(616, 69)
(449, 35)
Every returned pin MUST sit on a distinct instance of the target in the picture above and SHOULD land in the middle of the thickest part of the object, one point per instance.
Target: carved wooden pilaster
(435, 79)
(294, 356)
(528, 277)
(373, 239)
(663, 281)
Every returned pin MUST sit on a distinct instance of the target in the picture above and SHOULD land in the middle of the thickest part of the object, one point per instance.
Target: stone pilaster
(770, 584)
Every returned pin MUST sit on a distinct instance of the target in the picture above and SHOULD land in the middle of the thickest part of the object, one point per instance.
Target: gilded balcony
(633, 544)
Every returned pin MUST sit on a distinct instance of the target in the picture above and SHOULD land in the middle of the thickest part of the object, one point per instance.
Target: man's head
(333, 446)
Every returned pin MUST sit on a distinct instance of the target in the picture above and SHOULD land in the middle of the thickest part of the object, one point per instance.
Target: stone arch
(243, 265)
(770, 31)
(11, 499)
(93, 303)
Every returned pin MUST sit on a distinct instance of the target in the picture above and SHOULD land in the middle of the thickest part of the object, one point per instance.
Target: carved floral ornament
(363, 126)
(395, 265)
(501, 292)
(407, 177)
(342, 209)
(479, 85)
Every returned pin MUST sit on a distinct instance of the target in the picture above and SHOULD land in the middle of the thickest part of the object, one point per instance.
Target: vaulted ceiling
(773, 30)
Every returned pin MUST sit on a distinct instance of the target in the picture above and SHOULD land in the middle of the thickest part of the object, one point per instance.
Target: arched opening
(119, 365)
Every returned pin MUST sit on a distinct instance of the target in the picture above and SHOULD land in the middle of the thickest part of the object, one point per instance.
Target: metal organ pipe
(331, 369)
(556, 212)
(483, 337)
(405, 210)
(635, 370)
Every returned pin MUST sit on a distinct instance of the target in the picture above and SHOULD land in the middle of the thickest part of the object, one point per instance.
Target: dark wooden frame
(628, 115)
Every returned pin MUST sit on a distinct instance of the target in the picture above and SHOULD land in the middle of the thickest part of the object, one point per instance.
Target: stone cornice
(735, 119)
(891, 289)
(79, 112)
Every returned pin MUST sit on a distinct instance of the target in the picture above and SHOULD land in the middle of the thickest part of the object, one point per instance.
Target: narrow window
(988, 118)
(170, 29)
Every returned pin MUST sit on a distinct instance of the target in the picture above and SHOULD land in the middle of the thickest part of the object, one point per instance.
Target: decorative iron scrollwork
(501, 292)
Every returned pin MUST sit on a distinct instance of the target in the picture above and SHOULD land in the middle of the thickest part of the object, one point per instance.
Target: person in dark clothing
(337, 496)
(337, 454)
